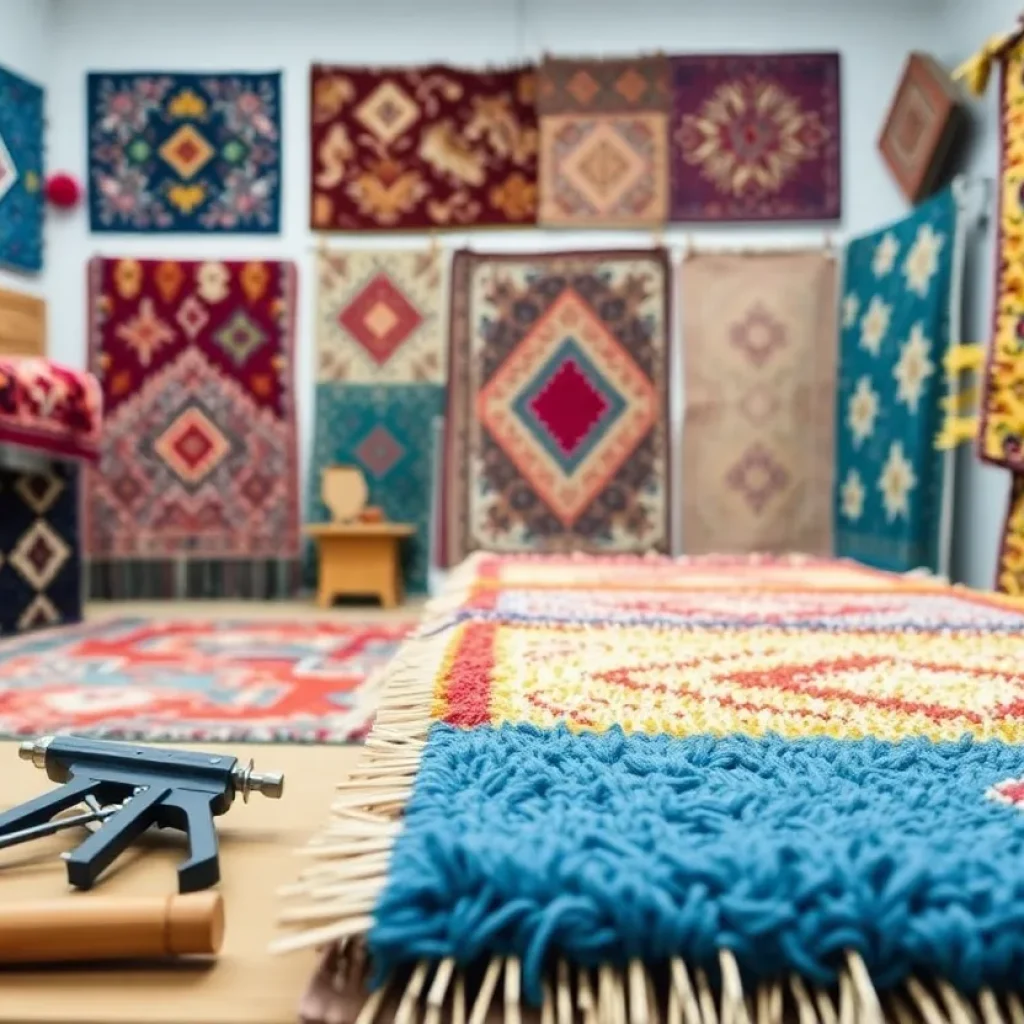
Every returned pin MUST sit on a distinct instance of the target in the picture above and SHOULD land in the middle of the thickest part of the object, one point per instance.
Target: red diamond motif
(192, 446)
(379, 451)
(758, 477)
(380, 318)
(569, 406)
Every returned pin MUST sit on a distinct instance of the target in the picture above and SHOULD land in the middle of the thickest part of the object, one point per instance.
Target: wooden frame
(22, 324)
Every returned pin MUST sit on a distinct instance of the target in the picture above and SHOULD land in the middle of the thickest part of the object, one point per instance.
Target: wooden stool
(359, 559)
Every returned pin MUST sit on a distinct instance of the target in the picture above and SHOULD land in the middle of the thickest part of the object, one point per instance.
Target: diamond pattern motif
(759, 335)
(39, 490)
(187, 152)
(8, 172)
(22, 171)
(40, 613)
(40, 569)
(192, 446)
(380, 452)
(758, 477)
(240, 337)
(40, 554)
(551, 407)
(380, 318)
(569, 406)
(388, 112)
(604, 142)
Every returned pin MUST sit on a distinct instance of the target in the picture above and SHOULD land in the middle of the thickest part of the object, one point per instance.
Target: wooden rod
(88, 928)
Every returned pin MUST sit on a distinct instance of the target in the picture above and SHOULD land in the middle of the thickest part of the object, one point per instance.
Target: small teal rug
(388, 432)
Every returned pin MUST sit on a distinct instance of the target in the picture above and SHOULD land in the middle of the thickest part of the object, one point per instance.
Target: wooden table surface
(246, 985)
(360, 529)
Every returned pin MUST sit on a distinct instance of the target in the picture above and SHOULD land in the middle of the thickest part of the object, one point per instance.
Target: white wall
(25, 49)
(982, 490)
(873, 35)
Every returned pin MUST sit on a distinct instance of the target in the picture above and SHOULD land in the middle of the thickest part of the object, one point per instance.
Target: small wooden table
(359, 559)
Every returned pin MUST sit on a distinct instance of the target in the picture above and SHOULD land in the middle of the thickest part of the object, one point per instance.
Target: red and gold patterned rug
(258, 681)
(196, 491)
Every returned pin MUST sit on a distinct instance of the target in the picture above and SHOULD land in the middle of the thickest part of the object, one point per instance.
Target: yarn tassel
(975, 72)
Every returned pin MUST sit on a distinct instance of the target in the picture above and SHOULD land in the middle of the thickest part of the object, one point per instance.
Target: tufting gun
(126, 789)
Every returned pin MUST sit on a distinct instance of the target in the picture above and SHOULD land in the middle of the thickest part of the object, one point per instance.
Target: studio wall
(873, 37)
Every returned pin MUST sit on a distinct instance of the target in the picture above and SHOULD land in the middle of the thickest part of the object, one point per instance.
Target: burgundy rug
(755, 137)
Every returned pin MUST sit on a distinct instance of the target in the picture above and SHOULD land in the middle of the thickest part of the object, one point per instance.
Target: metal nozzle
(246, 781)
(35, 750)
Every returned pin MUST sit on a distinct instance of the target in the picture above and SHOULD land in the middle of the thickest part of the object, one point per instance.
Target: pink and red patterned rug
(259, 681)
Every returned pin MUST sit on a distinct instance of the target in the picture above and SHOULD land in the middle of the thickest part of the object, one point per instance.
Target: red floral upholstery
(49, 408)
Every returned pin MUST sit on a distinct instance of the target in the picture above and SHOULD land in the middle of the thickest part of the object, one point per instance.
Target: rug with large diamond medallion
(196, 491)
(557, 429)
(173, 152)
(21, 173)
(759, 349)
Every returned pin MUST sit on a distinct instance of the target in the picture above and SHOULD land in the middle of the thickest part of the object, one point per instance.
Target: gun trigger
(201, 869)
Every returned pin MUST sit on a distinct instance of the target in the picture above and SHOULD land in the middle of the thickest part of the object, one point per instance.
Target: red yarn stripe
(468, 689)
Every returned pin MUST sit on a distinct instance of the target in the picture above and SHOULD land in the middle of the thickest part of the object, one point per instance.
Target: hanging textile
(891, 483)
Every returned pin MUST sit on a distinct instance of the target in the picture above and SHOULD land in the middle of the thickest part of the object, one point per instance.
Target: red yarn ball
(63, 191)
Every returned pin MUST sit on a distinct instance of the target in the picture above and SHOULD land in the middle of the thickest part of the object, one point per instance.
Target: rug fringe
(334, 900)
(672, 993)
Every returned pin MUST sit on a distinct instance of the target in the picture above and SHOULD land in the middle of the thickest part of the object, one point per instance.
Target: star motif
(914, 367)
(896, 482)
(885, 255)
(852, 496)
(861, 411)
(874, 325)
(923, 259)
(851, 307)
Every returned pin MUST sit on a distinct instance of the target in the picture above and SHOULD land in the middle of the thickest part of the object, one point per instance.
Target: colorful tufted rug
(715, 789)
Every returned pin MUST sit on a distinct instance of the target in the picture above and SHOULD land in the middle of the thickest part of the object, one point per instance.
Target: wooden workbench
(258, 840)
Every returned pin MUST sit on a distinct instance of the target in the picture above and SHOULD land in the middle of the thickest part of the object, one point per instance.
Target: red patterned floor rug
(259, 681)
